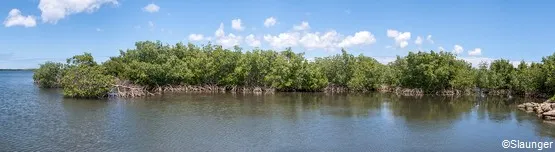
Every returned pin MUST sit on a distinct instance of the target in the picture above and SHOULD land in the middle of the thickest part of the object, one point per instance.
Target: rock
(549, 122)
(530, 109)
(549, 117)
(549, 113)
(546, 107)
(550, 101)
(538, 110)
(521, 106)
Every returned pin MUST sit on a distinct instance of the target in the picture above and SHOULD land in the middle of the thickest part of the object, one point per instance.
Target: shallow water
(33, 119)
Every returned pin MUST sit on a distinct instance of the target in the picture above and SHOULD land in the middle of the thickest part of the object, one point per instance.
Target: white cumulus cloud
(283, 40)
(475, 52)
(429, 39)
(220, 31)
(151, 8)
(237, 25)
(55, 10)
(16, 19)
(457, 49)
(418, 40)
(252, 41)
(227, 41)
(401, 38)
(328, 40)
(271, 21)
(362, 37)
(302, 27)
(196, 37)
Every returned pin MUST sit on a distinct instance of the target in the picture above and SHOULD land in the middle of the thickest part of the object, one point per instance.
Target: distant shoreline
(17, 69)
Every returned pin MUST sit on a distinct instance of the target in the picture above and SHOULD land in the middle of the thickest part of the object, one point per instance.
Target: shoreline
(544, 110)
(123, 90)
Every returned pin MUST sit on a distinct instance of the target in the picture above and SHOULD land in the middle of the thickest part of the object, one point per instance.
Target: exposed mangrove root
(419, 92)
(545, 110)
(125, 89)
(336, 89)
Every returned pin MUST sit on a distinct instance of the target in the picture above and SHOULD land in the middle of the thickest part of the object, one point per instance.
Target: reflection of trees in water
(501, 110)
(495, 108)
(441, 112)
(430, 108)
(545, 129)
(351, 105)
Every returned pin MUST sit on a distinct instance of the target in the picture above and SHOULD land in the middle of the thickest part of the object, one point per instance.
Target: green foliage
(434, 72)
(85, 59)
(49, 75)
(368, 74)
(153, 64)
(338, 68)
(549, 71)
(483, 76)
(501, 74)
(83, 78)
(83, 81)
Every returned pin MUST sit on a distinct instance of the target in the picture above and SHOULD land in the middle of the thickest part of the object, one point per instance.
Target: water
(33, 119)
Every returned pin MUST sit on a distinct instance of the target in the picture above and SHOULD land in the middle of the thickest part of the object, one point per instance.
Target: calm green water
(33, 119)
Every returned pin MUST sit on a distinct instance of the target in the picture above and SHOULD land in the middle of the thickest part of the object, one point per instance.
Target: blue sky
(34, 31)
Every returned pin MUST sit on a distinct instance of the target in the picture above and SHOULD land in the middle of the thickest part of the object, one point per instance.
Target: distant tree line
(154, 64)
(17, 69)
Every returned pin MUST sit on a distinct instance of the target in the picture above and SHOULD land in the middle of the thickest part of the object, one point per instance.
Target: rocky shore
(545, 110)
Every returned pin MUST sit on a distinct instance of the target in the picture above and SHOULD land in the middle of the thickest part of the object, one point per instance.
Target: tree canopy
(154, 64)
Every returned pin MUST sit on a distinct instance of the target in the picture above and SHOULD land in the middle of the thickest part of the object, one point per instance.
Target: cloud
(475, 52)
(418, 40)
(220, 31)
(441, 48)
(429, 39)
(229, 41)
(271, 21)
(328, 40)
(236, 24)
(196, 37)
(302, 27)
(362, 37)
(385, 59)
(99, 30)
(475, 61)
(457, 49)
(55, 10)
(252, 41)
(151, 8)
(401, 38)
(226, 41)
(283, 40)
(16, 19)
